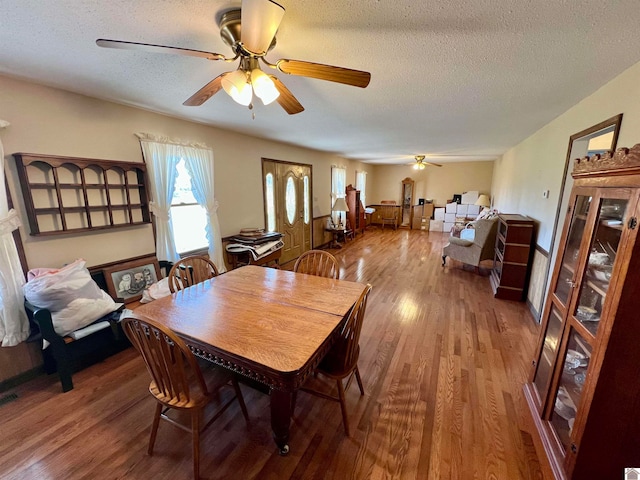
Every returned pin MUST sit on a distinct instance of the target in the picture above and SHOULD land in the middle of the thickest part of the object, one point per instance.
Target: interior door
(596, 139)
(289, 205)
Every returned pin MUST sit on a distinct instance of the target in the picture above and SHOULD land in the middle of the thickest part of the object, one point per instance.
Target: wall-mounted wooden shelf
(65, 195)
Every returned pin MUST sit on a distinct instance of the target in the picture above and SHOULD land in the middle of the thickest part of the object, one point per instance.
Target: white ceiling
(466, 79)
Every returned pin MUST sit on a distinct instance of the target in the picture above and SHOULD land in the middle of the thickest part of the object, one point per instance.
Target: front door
(287, 190)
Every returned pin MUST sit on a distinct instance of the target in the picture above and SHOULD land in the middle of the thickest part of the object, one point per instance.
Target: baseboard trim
(24, 377)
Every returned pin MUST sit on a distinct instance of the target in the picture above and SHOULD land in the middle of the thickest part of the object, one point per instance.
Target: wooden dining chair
(389, 215)
(317, 262)
(342, 360)
(189, 271)
(178, 381)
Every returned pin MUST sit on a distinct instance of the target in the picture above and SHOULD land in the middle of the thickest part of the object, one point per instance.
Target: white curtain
(14, 324)
(361, 184)
(338, 188)
(199, 163)
(161, 157)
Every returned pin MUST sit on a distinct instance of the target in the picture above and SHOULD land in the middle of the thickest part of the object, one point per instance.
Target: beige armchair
(472, 252)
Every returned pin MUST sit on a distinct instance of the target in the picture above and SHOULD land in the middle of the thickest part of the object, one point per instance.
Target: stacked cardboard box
(444, 218)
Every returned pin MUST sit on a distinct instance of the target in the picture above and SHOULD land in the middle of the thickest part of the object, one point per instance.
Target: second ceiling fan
(421, 164)
(250, 32)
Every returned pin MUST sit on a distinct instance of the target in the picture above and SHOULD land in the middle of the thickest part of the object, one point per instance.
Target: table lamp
(340, 206)
(483, 201)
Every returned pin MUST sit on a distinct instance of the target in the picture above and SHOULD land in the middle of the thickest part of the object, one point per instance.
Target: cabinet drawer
(513, 275)
(516, 254)
(520, 234)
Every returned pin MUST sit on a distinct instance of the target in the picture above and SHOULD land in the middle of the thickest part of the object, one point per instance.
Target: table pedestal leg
(280, 418)
(335, 244)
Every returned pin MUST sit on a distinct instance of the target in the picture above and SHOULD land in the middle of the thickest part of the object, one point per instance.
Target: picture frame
(126, 281)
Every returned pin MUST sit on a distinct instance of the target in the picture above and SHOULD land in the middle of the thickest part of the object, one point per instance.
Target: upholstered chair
(472, 252)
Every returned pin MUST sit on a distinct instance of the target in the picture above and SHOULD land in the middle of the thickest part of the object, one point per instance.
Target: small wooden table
(239, 259)
(272, 326)
(336, 234)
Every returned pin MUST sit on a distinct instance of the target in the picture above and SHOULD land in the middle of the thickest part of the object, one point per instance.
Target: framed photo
(126, 281)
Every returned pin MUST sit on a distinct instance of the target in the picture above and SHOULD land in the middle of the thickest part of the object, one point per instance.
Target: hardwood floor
(442, 361)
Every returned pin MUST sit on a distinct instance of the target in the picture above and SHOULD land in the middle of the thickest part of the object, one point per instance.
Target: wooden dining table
(272, 326)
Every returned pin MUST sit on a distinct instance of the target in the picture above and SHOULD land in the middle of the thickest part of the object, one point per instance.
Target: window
(270, 201)
(361, 184)
(338, 188)
(189, 220)
(290, 201)
(307, 215)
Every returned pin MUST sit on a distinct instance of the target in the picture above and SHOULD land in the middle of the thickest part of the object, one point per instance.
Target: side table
(238, 259)
(336, 233)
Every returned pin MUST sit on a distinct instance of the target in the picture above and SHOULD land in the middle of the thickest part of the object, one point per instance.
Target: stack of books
(255, 236)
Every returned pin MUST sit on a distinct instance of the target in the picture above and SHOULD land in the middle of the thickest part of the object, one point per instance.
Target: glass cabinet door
(602, 254)
(548, 354)
(567, 399)
(572, 248)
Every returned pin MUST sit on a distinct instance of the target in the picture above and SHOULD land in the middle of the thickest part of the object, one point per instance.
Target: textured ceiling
(466, 79)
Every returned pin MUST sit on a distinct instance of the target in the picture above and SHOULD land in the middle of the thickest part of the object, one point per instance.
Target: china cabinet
(408, 187)
(584, 388)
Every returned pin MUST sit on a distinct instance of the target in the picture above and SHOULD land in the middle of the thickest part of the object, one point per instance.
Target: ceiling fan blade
(148, 47)
(260, 20)
(357, 78)
(205, 93)
(286, 98)
(432, 164)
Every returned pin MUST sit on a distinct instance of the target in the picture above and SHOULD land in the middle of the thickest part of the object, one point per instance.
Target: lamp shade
(483, 201)
(263, 86)
(340, 205)
(237, 87)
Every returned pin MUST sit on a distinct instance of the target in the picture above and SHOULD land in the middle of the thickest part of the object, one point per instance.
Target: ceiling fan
(421, 164)
(250, 31)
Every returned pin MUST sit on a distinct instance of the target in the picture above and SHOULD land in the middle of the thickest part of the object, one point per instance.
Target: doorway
(597, 139)
(287, 205)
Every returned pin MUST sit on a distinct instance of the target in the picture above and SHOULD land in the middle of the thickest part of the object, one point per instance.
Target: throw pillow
(70, 294)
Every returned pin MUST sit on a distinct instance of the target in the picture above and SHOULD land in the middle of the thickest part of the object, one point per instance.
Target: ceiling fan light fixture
(263, 86)
(420, 165)
(237, 87)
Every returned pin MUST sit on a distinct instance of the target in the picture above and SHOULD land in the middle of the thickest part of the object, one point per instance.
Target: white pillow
(70, 294)
(81, 312)
(156, 290)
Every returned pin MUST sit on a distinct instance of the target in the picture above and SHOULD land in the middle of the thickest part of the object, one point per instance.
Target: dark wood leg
(154, 427)
(63, 365)
(281, 403)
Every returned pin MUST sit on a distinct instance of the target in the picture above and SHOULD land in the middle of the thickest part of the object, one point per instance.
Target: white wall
(537, 164)
(437, 183)
(50, 121)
